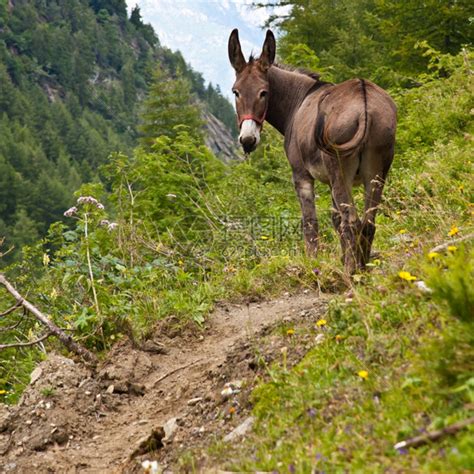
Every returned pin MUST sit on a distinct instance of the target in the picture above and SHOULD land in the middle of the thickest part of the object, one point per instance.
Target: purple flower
(70, 212)
(316, 271)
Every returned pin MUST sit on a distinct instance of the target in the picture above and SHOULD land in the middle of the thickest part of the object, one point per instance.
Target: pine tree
(169, 104)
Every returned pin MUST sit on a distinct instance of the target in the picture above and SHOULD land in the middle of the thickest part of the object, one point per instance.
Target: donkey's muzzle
(248, 143)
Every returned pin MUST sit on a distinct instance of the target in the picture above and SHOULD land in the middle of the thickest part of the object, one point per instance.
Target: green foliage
(375, 39)
(169, 104)
(71, 81)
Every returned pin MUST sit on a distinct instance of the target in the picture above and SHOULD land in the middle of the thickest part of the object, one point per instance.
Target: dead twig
(25, 344)
(10, 310)
(444, 246)
(67, 340)
(434, 435)
(171, 372)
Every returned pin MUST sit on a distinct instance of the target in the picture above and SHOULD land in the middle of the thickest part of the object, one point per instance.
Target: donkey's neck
(287, 90)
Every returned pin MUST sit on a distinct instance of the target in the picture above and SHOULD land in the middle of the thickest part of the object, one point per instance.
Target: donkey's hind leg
(374, 180)
(341, 172)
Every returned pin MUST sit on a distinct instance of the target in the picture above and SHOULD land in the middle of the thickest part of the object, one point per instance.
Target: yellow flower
(321, 322)
(180, 263)
(433, 255)
(264, 237)
(339, 338)
(45, 259)
(406, 276)
(290, 332)
(454, 230)
(3, 392)
(403, 231)
(363, 374)
(452, 248)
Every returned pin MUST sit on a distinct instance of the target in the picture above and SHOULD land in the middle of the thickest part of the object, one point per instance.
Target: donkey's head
(251, 88)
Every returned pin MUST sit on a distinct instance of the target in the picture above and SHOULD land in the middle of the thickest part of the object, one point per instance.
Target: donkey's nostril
(248, 141)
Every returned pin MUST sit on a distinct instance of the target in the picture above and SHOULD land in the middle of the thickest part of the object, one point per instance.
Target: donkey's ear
(268, 51)
(236, 57)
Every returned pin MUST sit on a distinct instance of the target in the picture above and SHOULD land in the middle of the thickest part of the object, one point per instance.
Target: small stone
(48, 405)
(170, 428)
(87, 392)
(28, 422)
(194, 401)
(319, 338)
(110, 389)
(227, 392)
(240, 430)
(35, 375)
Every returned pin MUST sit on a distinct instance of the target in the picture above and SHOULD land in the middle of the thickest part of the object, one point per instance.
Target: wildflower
(90, 200)
(339, 338)
(321, 322)
(290, 332)
(3, 392)
(452, 248)
(231, 410)
(180, 263)
(403, 231)
(70, 212)
(46, 259)
(406, 276)
(104, 222)
(363, 374)
(316, 271)
(151, 467)
(376, 262)
(454, 230)
(433, 255)
(263, 237)
(112, 226)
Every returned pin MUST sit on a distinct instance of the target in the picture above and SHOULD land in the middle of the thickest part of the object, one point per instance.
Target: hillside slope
(72, 79)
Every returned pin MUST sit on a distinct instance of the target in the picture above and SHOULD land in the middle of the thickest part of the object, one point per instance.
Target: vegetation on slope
(177, 231)
(72, 78)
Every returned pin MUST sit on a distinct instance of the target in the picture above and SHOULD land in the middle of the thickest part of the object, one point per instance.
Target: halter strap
(258, 120)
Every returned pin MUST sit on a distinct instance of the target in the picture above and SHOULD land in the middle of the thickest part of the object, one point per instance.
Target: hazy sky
(200, 30)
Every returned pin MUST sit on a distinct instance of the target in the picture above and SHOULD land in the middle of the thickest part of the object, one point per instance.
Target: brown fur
(342, 135)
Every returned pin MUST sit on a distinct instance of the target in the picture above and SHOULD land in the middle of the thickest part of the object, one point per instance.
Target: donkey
(342, 135)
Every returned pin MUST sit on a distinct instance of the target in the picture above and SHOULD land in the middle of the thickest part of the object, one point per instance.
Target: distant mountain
(73, 74)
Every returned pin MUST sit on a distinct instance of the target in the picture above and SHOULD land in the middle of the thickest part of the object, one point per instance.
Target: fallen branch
(171, 372)
(67, 340)
(444, 246)
(25, 344)
(434, 435)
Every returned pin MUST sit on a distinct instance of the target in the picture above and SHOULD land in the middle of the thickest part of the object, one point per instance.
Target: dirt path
(146, 404)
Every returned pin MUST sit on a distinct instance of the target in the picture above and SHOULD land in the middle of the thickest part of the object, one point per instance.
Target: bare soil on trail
(174, 395)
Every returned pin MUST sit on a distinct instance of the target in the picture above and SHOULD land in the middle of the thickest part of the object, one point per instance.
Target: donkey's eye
(263, 94)
(236, 93)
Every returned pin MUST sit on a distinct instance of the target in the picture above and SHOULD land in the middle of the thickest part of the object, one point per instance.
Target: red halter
(257, 120)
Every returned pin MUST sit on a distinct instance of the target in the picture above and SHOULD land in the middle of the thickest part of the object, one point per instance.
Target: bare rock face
(219, 139)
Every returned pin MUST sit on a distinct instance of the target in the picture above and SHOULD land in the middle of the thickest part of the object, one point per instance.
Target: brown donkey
(342, 135)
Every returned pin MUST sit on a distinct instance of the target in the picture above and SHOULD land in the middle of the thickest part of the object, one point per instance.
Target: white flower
(112, 226)
(151, 467)
(70, 212)
(90, 200)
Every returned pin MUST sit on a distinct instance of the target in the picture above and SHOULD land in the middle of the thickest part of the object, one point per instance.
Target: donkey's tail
(347, 148)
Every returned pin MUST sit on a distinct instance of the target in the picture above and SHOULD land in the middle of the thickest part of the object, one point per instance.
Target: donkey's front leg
(304, 185)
